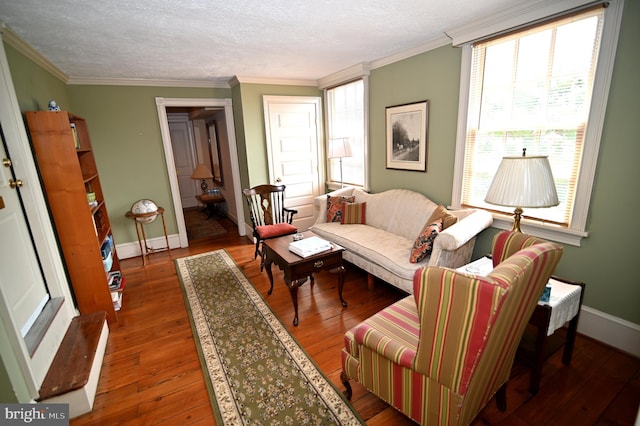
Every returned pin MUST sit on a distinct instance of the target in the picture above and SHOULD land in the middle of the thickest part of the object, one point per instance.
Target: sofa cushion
(334, 207)
(390, 251)
(423, 245)
(392, 332)
(441, 212)
(354, 213)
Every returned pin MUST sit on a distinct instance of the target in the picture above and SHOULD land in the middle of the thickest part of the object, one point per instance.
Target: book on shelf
(116, 298)
(91, 198)
(309, 246)
(115, 281)
(76, 139)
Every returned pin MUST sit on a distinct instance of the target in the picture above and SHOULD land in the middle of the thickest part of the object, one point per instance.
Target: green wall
(34, 86)
(126, 137)
(605, 259)
(434, 76)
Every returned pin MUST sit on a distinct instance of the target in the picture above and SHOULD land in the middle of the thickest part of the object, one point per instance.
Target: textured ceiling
(207, 40)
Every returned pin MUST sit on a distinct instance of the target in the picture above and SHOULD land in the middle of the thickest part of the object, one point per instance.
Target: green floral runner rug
(259, 374)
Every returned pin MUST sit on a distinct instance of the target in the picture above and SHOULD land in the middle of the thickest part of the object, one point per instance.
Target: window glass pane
(532, 90)
(345, 106)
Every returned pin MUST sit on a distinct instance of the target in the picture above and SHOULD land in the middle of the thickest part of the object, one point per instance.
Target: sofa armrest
(320, 204)
(464, 230)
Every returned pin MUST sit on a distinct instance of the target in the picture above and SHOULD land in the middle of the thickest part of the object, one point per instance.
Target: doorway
(231, 184)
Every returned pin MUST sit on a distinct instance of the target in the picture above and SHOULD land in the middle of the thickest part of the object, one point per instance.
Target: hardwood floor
(151, 373)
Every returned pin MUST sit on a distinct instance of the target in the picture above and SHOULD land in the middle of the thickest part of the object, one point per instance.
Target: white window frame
(357, 72)
(519, 16)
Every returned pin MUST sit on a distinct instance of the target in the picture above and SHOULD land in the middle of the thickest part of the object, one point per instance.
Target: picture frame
(406, 136)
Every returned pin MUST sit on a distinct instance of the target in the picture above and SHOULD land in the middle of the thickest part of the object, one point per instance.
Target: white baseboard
(132, 249)
(613, 331)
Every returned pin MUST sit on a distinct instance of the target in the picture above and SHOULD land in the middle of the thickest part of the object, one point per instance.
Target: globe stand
(139, 219)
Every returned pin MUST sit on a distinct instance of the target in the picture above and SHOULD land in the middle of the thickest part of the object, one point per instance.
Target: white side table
(563, 306)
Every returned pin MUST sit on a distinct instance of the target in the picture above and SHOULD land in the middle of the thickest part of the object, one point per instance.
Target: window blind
(532, 89)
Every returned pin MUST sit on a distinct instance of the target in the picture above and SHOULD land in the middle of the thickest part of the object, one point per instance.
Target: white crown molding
(510, 18)
(426, 47)
(15, 41)
(217, 83)
(351, 73)
(266, 80)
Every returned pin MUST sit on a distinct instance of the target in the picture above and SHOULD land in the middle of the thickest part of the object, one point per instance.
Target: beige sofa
(394, 219)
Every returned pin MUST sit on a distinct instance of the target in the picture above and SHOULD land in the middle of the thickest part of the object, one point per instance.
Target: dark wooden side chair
(269, 217)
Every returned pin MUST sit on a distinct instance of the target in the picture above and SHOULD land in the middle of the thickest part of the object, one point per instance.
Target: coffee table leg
(267, 265)
(293, 290)
(341, 285)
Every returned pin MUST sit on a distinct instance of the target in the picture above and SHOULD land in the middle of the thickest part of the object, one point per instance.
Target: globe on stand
(145, 206)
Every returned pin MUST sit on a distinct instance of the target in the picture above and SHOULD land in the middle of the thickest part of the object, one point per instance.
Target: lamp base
(204, 186)
(517, 214)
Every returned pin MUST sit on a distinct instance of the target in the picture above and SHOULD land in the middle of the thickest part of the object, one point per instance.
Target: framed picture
(407, 136)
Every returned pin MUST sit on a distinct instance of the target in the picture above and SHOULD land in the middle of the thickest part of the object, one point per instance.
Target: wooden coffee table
(297, 269)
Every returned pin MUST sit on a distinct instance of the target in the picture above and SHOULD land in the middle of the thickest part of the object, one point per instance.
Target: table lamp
(523, 182)
(339, 148)
(202, 172)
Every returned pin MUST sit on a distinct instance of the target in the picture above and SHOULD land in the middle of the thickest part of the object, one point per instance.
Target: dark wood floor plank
(151, 373)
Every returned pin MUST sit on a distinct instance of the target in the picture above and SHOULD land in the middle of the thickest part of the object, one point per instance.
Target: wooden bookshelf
(65, 160)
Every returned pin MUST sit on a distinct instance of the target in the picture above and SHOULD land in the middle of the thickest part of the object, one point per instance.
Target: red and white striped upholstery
(441, 354)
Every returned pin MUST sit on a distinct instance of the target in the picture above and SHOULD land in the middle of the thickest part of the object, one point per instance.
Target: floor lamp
(339, 148)
(523, 182)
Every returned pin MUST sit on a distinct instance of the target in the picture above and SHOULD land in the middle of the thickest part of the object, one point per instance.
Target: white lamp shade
(339, 148)
(201, 172)
(523, 182)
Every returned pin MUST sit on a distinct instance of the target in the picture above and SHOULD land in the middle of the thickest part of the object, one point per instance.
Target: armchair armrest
(453, 324)
(288, 214)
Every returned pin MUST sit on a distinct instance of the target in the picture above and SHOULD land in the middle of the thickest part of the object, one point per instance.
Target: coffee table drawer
(309, 266)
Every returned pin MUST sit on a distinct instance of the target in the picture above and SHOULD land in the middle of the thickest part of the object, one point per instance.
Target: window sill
(543, 230)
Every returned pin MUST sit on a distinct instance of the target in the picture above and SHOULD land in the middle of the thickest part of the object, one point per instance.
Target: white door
(294, 138)
(184, 158)
(22, 286)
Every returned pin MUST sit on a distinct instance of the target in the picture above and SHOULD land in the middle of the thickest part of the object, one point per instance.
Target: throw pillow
(442, 213)
(423, 245)
(354, 213)
(334, 207)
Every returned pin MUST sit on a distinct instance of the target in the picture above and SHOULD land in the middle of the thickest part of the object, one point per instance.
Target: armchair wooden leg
(255, 255)
(501, 398)
(345, 381)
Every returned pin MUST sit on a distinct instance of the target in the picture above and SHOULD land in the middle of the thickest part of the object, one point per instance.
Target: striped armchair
(440, 355)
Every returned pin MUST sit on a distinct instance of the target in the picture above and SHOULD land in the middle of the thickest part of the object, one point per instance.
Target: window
(346, 119)
(533, 88)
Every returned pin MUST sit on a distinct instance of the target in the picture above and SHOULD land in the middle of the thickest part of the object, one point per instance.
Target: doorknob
(6, 162)
(15, 183)
(278, 180)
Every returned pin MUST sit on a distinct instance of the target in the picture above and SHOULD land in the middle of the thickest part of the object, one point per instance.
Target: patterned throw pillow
(423, 245)
(354, 213)
(334, 207)
(442, 213)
